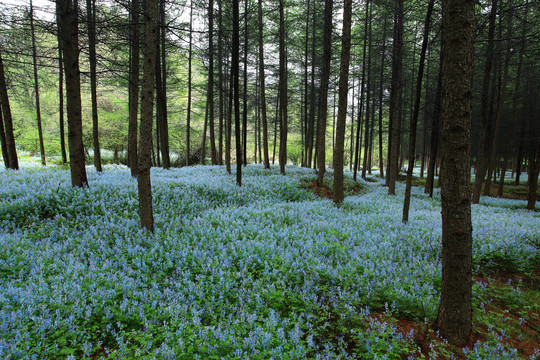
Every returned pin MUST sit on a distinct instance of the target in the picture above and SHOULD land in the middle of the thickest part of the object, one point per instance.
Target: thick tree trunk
(134, 88)
(263, 90)
(323, 93)
(36, 86)
(91, 21)
(67, 21)
(454, 318)
(416, 112)
(147, 111)
(342, 102)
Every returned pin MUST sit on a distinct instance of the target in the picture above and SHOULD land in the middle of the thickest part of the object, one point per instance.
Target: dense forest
(357, 101)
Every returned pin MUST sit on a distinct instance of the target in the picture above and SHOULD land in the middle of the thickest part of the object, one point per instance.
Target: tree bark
(134, 88)
(188, 120)
(283, 91)
(147, 111)
(3, 143)
(416, 112)
(454, 318)
(244, 93)
(91, 21)
(342, 102)
(210, 93)
(369, 124)
(67, 21)
(395, 99)
(36, 86)
(381, 83)
(325, 78)
(263, 90)
(61, 99)
(235, 73)
(481, 152)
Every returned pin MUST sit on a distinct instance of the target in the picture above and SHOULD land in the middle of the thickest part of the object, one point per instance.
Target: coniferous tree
(91, 21)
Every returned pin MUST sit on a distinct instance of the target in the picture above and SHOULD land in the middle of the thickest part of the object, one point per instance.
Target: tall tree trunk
(454, 318)
(325, 78)
(67, 21)
(203, 142)
(416, 112)
(500, 101)
(395, 98)
(210, 93)
(11, 150)
(342, 102)
(381, 83)
(188, 120)
(283, 90)
(481, 153)
(519, 157)
(91, 20)
(305, 125)
(221, 85)
(36, 86)
(147, 111)
(235, 73)
(424, 130)
(263, 90)
(311, 127)
(228, 130)
(61, 99)
(161, 83)
(134, 88)
(435, 124)
(534, 170)
(368, 97)
(244, 114)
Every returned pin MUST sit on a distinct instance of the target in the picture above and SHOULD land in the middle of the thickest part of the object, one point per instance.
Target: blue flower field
(268, 270)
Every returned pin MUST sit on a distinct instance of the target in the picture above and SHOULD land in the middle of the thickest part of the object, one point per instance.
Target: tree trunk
(263, 90)
(61, 99)
(221, 85)
(210, 93)
(36, 86)
(91, 20)
(3, 143)
(325, 78)
(534, 170)
(244, 114)
(454, 318)
(395, 98)
(416, 112)
(367, 138)
(134, 88)
(147, 110)
(342, 102)
(67, 21)
(228, 130)
(188, 120)
(305, 124)
(235, 73)
(519, 156)
(481, 153)
(381, 83)
(161, 83)
(283, 91)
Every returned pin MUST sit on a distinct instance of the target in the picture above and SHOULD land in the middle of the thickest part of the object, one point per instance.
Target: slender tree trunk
(134, 88)
(263, 90)
(534, 170)
(368, 98)
(311, 128)
(188, 120)
(235, 73)
(519, 157)
(61, 99)
(36, 86)
(147, 110)
(381, 83)
(416, 112)
(161, 83)
(67, 21)
(342, 102)
(276, 120)
(325, 78)
(481, 154)
(3, 143)
(306, 119)
(228, 135)
(395, 98)
(210, 93)
(454, 318)
(424, 130)
(203, 145)
(244, 114)
(221, 85)
(283, 90)
(91, 20)
(503, 174)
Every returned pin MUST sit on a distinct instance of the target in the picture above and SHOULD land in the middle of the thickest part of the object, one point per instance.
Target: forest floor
(272, 269)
